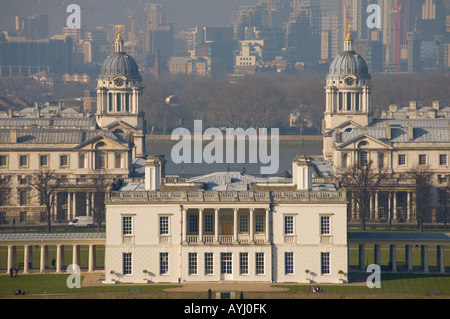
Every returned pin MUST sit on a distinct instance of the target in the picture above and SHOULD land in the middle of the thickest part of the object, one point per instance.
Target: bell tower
(348, 92)
(119, 95)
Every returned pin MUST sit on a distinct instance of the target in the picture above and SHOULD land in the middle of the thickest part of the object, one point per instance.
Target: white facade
(270, 233)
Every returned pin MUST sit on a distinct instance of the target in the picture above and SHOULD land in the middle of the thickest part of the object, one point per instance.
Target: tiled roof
(50, 236)
(425, 131)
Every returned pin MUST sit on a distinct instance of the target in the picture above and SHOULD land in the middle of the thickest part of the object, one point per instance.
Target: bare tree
(47, 184)
(5, 196)
(422, 177)
(444, 198)
(362, 180)
(97, 205)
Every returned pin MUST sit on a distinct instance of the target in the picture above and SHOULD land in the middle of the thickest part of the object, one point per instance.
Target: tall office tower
(332, 22)
(159, 34)
(215, 43)
(249, 16)
(414, 45)
(34, 28)
(388, 32)
(304, 29)
(433, 14)
(20, 57)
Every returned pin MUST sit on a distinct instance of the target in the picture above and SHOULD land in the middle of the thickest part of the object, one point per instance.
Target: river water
(288, 149)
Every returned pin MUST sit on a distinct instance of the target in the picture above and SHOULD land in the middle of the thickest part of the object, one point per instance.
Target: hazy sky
(185, 13)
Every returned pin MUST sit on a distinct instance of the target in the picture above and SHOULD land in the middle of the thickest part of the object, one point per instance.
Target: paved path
(95, 279)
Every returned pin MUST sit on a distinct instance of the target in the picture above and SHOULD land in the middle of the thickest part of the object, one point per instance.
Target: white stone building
(77, 146)
(227, 226)
(401, 141)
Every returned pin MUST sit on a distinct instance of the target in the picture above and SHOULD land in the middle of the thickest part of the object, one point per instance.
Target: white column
(58, 257)
(184, 226)
(42, 261)
(394, 197)
(26, 258)
(69, 205)
(377, 254)
(74, 205)
(235, 225)
(11, 258)
(75, 255)
(88, 207)
(267, 225)
(408, 206)
(252, 231)
(362, 263)
(216, 225)
(200, 225)
(91, 258)
(408, 257)
(372, 213)
(440, 258)
(424, 258)
(393, 257)
(377, 210)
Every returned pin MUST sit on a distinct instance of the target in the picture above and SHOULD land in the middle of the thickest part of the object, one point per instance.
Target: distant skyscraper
(34, 28)
(23, 58)
(304, 29)
(159, 34)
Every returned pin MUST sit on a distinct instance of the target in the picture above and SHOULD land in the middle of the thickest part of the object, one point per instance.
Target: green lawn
(56, 284)
(390, 284)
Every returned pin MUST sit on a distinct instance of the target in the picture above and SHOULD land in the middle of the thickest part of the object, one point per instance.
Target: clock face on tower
(118, 81)
(349, 81)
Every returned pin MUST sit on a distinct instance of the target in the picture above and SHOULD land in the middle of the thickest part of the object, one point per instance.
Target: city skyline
(184, 13)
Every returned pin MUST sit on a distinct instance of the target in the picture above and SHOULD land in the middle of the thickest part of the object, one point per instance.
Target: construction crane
(132, 35)
(399, 9)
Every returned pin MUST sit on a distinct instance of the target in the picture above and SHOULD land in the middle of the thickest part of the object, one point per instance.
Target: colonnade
(73, 205)
(380, 211)
(44, 264)
(218, 235)
(393, 261)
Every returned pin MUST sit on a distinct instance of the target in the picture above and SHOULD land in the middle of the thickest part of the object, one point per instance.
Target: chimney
(436, 105)
(302, 172)
(413, 105)
(13, 136)
(153, 173)
(388, 131)
(410, 132)
(393, 108)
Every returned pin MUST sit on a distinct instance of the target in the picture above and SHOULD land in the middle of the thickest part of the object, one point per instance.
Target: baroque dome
(119, 64)
(349, 62)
